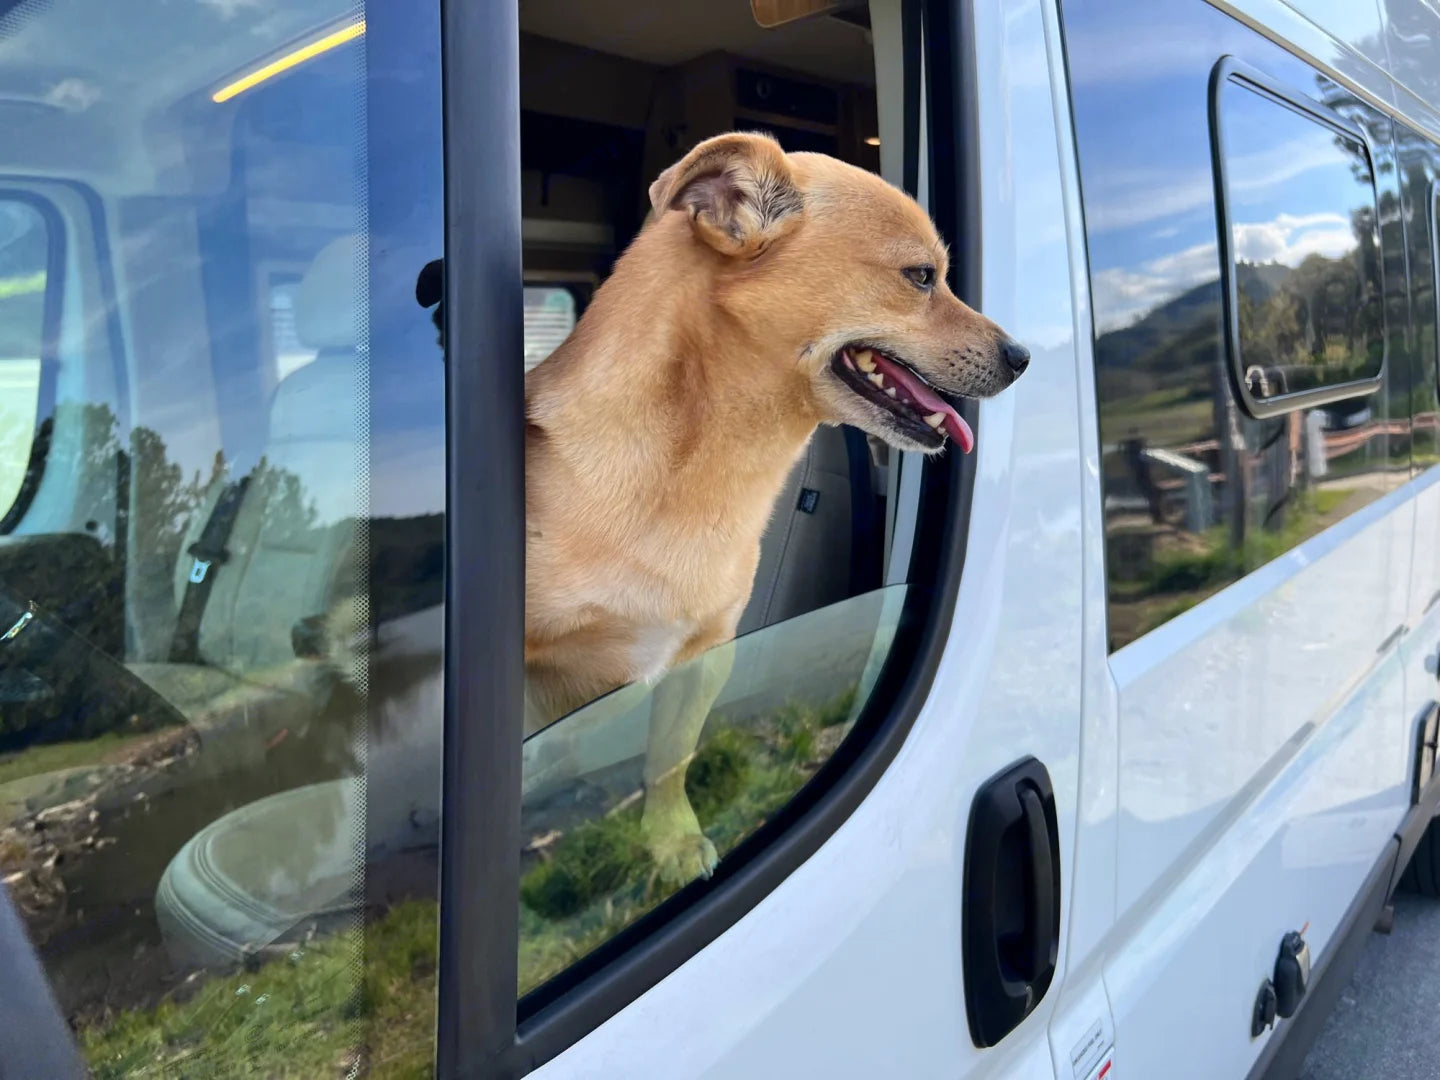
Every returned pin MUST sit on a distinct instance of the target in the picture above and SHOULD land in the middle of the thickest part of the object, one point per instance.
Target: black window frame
(482, 1028)
(1232, 70)
(51, 312)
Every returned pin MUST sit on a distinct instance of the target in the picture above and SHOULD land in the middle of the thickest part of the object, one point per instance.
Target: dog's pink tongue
(930, 401)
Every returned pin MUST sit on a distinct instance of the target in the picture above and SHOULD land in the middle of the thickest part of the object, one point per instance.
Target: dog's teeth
(849, 363)
(877, 379)
(935, 419)
(863, 357)
(890, 390)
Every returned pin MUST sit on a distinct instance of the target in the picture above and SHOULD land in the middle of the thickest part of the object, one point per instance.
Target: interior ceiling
(674, 31)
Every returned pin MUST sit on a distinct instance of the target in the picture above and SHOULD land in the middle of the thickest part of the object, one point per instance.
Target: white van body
(1203, 623)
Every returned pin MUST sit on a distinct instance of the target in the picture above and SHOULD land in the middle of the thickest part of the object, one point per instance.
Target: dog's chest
(655, 647)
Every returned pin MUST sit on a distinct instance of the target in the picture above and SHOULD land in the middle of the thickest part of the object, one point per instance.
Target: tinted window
(1198, 490)
(1431, 289)
(1303, 273)
(220, 708)
(650, 788)
(25, 247)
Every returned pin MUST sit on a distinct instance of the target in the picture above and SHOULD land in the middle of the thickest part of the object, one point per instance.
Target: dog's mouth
(915, 407)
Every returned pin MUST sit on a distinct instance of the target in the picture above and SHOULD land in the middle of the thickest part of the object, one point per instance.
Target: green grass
(52, 757)
(599, 878)
(1180, 579)
(312, 1014)
(1164, 417)
(367, 1000)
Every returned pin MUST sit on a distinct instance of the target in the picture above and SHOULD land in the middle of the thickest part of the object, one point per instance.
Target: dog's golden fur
(660, 433)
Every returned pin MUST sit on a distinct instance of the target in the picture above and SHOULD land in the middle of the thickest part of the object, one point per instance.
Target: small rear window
(1300, 233)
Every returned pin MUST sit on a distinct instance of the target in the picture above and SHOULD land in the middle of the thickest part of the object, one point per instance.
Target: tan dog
(770, 293)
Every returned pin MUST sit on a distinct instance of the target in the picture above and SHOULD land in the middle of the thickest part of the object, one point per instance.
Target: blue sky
(1146, 171)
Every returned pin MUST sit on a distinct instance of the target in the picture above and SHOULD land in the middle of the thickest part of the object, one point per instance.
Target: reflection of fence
(1340, 443)
(1194, 478)
(1337, 443)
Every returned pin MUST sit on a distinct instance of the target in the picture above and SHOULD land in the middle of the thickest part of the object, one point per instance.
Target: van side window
(25, 292)
(221, 600)
(1434, 283)
(604, 108)
(1235, 424)
(1300, 244)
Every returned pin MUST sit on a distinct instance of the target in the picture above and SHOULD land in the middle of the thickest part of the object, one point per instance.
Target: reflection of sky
(1149, 194)
(1286, 180)
(348, 141)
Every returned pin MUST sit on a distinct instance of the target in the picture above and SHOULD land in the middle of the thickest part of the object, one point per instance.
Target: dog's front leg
(679, 707)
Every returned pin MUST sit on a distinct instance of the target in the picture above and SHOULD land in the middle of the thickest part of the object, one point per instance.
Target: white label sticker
(1087, 1052)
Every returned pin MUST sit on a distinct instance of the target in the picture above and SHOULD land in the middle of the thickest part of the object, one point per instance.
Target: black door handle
(1042, 893)
(1011, 913)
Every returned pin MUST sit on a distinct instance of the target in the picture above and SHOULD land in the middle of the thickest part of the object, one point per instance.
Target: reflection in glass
(24, 258)
(220, 703)
(1198, 492)
(1304, 244)
(793, 694)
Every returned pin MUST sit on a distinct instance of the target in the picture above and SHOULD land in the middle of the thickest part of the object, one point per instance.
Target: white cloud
(1289, 240)
(228, 9)
(1123, 295)
(1137, 196)
(73, 95)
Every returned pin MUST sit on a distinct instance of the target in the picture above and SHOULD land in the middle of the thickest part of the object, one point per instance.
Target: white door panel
(1263, 769)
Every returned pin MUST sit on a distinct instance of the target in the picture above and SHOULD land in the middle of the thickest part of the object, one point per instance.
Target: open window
(810, 697)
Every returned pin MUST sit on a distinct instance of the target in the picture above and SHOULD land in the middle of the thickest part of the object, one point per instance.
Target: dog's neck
(661, 390)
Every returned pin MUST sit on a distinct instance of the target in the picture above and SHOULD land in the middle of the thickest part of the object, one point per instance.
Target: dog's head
(847, 275)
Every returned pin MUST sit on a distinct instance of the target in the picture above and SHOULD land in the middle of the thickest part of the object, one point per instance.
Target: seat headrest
(329, 304)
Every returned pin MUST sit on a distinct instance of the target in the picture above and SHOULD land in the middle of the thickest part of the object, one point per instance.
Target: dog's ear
(738, 189)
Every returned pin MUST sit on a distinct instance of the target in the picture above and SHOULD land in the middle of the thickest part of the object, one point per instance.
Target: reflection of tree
(1313, 325)
(118, 579)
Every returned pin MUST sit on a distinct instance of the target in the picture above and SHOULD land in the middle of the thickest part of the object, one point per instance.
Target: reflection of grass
(1170, 416)
(52, 757)
(300, 1016)
(599, 878)
(1180, 578)
(23, 285)
(303, 1015)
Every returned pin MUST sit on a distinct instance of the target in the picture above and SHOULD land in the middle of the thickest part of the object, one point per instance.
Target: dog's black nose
(1015, 354)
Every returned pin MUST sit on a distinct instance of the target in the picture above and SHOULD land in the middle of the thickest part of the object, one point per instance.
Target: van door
(1254, 530)
(880, 752)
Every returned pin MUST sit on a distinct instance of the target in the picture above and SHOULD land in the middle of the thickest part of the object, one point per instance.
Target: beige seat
(809, 552)
(292, 545)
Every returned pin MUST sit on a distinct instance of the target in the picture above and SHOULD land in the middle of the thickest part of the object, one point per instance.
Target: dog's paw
(679, 847)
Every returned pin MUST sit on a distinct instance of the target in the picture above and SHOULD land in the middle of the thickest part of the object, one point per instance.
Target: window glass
(220, 705)
(653, 786)
(1304, 271)
(1199, 490)
(1429, 346)
(24, 262)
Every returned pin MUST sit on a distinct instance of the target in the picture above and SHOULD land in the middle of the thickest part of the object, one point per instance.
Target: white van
(1094, 754)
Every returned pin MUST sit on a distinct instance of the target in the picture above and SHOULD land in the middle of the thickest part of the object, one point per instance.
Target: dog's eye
(922, 277)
